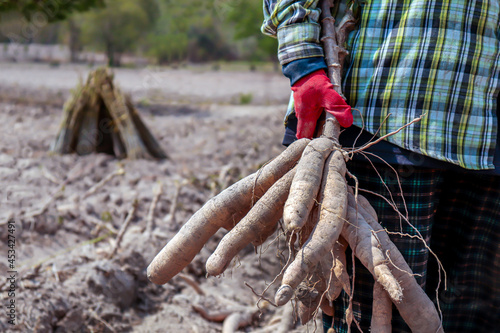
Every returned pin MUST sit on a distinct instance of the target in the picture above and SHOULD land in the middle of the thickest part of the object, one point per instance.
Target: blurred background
(211, 97)
(161, 51)
(134, 32)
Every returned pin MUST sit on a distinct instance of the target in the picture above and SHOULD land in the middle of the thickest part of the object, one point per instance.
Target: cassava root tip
(283, 295)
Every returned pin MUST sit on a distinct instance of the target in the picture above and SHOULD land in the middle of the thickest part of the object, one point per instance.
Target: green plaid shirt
(408, 58)
(295, 24)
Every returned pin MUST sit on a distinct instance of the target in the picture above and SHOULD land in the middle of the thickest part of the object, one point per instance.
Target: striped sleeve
(295, 25)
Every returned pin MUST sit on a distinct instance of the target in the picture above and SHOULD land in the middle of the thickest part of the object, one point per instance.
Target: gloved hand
(313, 93)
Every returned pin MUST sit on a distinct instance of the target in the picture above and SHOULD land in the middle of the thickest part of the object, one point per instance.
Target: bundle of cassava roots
(306, 187)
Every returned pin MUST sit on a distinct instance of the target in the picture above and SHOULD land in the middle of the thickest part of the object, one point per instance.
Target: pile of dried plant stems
(99, 118)
(306, 186)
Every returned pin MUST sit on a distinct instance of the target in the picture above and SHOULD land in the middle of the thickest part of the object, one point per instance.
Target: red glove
(312, 94)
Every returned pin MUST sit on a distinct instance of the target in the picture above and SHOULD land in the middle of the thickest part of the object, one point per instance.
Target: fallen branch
(45, 206)
(124, 228)
(50, 176)
(99, 224)
(175, 200)
(104, 322)
(120, 171)
(75, 173)
(157, 191)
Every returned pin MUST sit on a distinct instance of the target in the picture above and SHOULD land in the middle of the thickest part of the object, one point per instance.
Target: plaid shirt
(295, 24)
(409, 58)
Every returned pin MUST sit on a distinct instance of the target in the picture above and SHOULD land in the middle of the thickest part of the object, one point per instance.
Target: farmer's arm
(295, 25)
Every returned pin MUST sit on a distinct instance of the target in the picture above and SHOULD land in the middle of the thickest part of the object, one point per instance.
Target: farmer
(439, 59)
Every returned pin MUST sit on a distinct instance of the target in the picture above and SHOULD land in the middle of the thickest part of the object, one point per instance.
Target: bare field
(190, 85)
(65, 227)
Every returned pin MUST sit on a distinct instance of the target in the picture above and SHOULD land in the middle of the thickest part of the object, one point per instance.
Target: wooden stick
(157, 191)
(98, 318)
(330, 45)
(153, 147)
(50, 176)
(45, 206)
(124, 227)
(333, 40)
(94, 220)
(175, 199)
(120, 171)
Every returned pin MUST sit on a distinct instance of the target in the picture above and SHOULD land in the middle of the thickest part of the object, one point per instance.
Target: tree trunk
(113, 56)
(74, 41)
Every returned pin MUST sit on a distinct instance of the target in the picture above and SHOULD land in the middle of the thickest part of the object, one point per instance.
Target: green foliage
(170, 31)
(118, 27)
(246, 98)
(106, 216)
(168, 41)
(53, 10)
(247, 17)
(188, 30)
(198, 31)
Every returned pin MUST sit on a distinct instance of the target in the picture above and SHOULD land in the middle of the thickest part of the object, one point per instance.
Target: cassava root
(261, 219)
(224, 210)
(416, 308)
(333, 209)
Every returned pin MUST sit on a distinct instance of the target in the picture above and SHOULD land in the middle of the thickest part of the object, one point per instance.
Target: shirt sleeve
(295, 25)
(297, 69)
